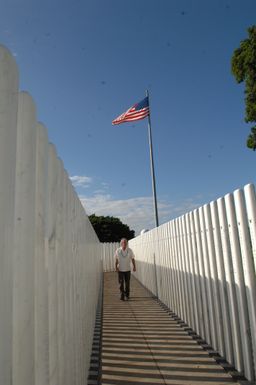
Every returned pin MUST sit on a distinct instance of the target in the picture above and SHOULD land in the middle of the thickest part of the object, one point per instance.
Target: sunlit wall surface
(50, 267)
(202, 266)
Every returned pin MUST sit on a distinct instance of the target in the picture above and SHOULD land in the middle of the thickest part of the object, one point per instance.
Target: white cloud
(136, 212)
(105, 185)
(99, 191)
(81, 181)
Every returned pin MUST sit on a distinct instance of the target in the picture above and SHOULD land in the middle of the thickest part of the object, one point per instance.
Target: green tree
(110, 229)
(243, 66)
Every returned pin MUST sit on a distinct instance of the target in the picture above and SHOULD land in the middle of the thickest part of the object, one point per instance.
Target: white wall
(203, 267)
(107, 253)
(8, 134)
(50, 263)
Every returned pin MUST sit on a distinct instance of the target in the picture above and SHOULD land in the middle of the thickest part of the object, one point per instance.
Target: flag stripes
(137, 112)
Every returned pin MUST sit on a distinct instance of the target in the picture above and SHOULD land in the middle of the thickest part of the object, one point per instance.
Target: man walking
(124, 256)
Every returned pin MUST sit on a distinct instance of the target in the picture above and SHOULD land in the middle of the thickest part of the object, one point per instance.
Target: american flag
(137, 112)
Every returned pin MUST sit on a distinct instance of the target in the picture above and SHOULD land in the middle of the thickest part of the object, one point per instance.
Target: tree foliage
(110, 229)
(251, 140)
(243, 66)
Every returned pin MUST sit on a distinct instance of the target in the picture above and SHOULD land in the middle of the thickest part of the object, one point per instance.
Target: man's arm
(117, 263)
(133, 264)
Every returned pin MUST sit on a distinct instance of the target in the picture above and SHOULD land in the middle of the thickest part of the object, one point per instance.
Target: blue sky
(85, 62)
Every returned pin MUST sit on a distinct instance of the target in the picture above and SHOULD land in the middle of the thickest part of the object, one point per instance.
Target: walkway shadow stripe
(143, 343)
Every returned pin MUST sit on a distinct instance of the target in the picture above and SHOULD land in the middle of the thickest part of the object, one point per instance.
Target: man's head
(123, 243)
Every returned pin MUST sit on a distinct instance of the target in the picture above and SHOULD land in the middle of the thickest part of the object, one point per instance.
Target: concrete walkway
(142, 344)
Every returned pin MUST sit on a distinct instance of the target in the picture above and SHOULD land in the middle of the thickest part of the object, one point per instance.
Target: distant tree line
(110, 229)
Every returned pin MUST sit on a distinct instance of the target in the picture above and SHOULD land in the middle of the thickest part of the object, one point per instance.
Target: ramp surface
(142, 344)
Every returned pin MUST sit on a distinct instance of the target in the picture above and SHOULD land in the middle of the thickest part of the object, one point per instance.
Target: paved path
(142, 344)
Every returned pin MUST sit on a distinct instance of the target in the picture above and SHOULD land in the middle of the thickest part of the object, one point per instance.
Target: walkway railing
(202, 266)
(50, 268)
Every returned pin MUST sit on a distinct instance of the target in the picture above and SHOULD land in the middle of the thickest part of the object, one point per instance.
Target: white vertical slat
(60, 249)
(230, 284)
(250, 199)
(189, 290)
(248, 264)
(201, 328)
(190, 273)
(71, 284)
(166, 269)
(166, 284)
(52, 264)
(226, 350)
(178, 279)
(202, 282)
(74, 294)
(161, 256)
(174, 270)
(170, 282)
(180, 270)
(158, 263)
(104, 256)
(155, 286)
(240, 286)
(108, 260)
(216, 314)
(66, 257)
(82, 356)
(185, 316)
(41, 273)
(166, 265)
(8, 135)
(24, 245)
(155, 251)
(208, 280)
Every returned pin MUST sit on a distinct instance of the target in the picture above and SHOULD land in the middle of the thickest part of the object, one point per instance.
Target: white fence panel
(24, 244)
(50, 256)
(107, 252)
(202, 265)
(8, 135)
(41, 272)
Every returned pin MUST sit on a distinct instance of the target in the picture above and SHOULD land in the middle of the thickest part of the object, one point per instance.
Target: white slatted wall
(50, 266)
(202, 266)
(108, 252)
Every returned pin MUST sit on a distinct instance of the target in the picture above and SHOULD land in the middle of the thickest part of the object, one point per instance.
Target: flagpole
(152, 164)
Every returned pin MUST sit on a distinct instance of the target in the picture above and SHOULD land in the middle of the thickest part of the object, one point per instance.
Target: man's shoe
(127, 297)
(122, 297)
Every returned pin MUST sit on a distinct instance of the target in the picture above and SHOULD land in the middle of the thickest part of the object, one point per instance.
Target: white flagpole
(152, 165)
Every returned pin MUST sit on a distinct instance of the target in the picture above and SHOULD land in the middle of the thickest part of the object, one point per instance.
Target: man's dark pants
(124, 278)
